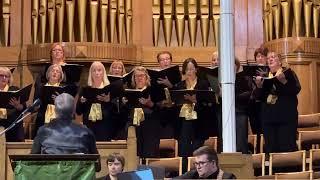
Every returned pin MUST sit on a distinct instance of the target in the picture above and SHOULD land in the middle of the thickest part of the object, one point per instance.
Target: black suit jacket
(62, 136)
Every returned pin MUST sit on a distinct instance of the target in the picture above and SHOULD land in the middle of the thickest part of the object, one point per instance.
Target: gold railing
(85, 21)
(193, 12)
(290, 18)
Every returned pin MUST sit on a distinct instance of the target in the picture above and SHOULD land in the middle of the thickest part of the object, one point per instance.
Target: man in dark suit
(207, 166)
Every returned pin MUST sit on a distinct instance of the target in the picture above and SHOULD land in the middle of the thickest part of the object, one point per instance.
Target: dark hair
(164, 52)
(261, 50)
(115, 156)
(186, 62)
(206, 150)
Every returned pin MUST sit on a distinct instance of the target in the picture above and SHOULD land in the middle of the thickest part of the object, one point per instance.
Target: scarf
(50, 111)
(272, 99)
(138, 114)
(96, 110)
(187, 110)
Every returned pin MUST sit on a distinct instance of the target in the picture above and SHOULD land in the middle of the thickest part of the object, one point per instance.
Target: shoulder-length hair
(117, 62)
(186, 62)
(8, 72)
(261, 50)
(63, 52)
(105, 77)
(50, 69)
(141, 69)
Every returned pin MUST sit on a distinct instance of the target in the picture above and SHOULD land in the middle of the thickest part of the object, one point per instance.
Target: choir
(109, 105)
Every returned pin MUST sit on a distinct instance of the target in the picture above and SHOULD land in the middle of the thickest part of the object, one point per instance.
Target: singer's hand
(282, 78)
(82, 99)
(146, 101)
(124, 100)
(192, 98)
(54, 96)
(259, 81)
(262, 73)
(104, 98)
(165, 81)
(16, 103)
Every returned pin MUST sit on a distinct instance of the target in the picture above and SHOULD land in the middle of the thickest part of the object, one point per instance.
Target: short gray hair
(64, 106)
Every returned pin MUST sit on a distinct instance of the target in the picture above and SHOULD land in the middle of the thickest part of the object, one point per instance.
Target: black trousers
(280, 137)
(242, 132)
(188, 142)
(255, 121)
(148, 138)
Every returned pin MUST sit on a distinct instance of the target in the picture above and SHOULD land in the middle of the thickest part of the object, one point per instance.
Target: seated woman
(193, 123)
(7, 116)
(279, 114)
(46, 111)
(147, 126)
(97, 116)
(119, 113)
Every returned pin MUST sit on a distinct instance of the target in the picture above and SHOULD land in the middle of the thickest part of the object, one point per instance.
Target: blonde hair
(215, 54)
(105, 77)
(141, 69)
(8, 72)
(117, 62)
(50, 69)
(53, 46)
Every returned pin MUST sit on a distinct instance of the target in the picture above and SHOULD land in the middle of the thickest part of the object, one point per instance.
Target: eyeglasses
(3, 76)
(139, 75)
(200, 163)
(165, 59)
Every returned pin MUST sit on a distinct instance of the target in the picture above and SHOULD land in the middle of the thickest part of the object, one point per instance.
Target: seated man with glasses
(207, 166)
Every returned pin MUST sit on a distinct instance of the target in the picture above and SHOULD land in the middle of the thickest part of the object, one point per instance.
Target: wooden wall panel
(303, 71)
(255, 24)
(318, 80)
(241, 28)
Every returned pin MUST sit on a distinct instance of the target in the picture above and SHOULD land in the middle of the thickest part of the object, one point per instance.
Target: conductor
(62, 135)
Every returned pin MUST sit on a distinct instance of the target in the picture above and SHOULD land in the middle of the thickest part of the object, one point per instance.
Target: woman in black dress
(46, 112)
(194, 117)
(142, 116)
(279, 103)
(97, 116)
(119, 113)
(7, 116)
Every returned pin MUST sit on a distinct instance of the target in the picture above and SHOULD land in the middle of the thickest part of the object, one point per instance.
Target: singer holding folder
(46, 111)
(194, 120)
(260, 57)
(56, 57)
(97, 112)
(7, 116)
(166, 112)
(119, 113)
(279, 114)
(140, 101)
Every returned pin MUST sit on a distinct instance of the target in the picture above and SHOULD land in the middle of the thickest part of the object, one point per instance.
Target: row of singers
(194, 122)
